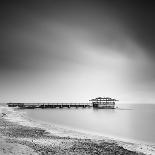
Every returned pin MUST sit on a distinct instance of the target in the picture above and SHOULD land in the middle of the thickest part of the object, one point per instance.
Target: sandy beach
(23, 137)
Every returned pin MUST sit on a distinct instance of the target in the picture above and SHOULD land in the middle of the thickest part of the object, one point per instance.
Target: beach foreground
(17, 139)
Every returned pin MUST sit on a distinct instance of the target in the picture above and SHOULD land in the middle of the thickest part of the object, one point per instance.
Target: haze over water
(129, 121)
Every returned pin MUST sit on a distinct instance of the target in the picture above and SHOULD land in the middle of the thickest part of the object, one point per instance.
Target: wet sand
(22, 138)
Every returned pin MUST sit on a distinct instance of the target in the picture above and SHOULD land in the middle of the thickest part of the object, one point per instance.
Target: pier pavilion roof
(103, 99)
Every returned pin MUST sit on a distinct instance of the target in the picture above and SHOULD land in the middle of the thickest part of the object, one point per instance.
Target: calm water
(135, 122)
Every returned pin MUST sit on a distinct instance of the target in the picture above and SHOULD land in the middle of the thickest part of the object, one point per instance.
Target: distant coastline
(18, 130)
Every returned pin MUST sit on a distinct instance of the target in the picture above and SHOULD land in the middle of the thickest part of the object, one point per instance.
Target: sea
(135, 122)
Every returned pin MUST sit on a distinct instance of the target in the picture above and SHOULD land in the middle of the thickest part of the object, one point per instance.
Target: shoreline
(60, 140)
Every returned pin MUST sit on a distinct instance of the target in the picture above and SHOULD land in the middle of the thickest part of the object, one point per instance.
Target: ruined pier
(99, 102)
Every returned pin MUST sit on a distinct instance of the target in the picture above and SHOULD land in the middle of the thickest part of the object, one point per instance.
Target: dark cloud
(138, 17)
(99, 18)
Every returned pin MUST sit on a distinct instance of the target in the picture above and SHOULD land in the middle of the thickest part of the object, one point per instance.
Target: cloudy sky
(75, 50)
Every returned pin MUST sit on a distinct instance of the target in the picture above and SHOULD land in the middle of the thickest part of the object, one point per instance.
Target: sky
(76, 50)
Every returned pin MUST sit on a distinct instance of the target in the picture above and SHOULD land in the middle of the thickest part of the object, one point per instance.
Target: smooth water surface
(136, 122)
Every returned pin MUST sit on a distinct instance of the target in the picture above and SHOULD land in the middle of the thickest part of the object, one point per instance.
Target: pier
(49, 105)
(99, 102)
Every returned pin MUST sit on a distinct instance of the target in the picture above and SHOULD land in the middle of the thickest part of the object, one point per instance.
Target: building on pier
(103, 102)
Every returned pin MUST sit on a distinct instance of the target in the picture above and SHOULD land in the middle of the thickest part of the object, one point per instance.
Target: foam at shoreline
(20, 117)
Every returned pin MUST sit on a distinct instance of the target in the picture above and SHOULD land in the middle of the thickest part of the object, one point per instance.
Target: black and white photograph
(77, 77)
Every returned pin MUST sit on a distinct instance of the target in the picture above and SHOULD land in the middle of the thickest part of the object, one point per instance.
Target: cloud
(91, 47)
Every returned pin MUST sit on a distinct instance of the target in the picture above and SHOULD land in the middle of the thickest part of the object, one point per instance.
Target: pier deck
(48, 105)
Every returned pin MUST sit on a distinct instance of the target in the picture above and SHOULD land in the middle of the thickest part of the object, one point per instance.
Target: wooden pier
(49, 105)
(99, 102)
